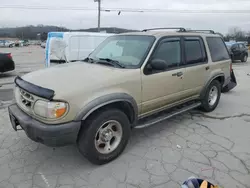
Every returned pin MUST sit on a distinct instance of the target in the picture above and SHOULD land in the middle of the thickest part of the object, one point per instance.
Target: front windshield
(129, 50)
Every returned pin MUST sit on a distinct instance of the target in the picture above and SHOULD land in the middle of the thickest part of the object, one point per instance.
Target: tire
(207, 106)
(244, 58)
(87, 139)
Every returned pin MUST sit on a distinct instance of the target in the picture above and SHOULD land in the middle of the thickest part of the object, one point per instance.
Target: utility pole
(99, 14)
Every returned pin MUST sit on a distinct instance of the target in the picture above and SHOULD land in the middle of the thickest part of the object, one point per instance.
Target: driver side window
(170, 52)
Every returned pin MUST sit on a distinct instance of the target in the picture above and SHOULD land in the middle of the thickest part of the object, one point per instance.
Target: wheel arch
(122, 101)
(220, 77)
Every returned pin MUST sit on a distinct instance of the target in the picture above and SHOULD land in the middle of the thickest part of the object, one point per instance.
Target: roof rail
(209, 31)
(181, 29)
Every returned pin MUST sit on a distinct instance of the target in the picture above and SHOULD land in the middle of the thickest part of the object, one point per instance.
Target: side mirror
(158, 64)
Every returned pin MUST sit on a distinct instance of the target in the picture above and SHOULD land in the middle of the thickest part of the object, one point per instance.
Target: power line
(44, 7)
(61, 8)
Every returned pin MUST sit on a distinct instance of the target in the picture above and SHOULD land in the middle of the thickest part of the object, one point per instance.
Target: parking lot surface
(214, 145)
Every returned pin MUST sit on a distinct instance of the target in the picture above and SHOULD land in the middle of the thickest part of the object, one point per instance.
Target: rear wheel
(212, 96)
(105, 136)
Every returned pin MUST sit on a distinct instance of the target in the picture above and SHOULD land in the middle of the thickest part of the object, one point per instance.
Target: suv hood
(78, 76)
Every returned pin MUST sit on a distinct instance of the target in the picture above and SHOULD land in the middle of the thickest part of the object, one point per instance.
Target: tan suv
(130, 80)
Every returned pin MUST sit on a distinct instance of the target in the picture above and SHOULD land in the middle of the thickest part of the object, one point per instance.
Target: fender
(203, 91)
(105, 100)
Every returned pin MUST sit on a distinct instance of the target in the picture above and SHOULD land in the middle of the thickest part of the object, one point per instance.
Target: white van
(71, 46)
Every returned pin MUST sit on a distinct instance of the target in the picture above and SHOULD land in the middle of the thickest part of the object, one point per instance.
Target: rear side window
(194, 50)
(217, 49)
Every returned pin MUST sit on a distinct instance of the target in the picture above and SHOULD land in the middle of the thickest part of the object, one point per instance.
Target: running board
(161, 116)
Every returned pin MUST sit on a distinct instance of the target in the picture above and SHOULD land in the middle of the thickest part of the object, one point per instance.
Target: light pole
(99, 13)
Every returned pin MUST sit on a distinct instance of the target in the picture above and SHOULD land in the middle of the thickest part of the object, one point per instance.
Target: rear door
(196, 63)
(219, 56)
(86, 46)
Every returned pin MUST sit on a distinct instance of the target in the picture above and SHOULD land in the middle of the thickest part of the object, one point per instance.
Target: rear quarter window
(217, 49)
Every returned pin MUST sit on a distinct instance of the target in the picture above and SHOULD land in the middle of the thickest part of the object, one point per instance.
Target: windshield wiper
(111, 62)
(88, 59)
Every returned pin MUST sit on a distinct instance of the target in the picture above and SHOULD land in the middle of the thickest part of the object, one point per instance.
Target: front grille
(27, 99)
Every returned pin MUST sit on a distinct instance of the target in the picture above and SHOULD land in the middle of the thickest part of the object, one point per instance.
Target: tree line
(40, 32)
(237, 34)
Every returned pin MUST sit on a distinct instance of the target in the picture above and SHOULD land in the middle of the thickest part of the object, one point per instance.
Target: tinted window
(241, 46)
(235, 47)
(194, 51)
(217, 49)
(170, 52)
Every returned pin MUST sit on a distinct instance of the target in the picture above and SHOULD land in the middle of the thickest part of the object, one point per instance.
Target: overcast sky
(86, 19)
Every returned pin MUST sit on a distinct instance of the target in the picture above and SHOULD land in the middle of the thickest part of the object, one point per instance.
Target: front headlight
(50, 110)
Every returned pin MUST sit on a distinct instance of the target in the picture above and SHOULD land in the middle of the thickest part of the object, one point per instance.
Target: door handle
(178, 74)
(207, 67)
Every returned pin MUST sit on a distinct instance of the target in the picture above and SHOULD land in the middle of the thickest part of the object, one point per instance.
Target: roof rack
(209, 31)
(181, 29)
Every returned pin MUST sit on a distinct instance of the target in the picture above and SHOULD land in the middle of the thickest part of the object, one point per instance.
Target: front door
(161, 88)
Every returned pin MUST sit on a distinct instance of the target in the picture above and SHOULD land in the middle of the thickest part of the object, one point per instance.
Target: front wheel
(244, 59)
(104, 136)
(212, 96)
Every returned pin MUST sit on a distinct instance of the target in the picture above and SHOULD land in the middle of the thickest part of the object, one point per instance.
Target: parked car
(5, 43)
(238, 50)
(26, 43)
(43, 44)
(131, 80)
(6, 62)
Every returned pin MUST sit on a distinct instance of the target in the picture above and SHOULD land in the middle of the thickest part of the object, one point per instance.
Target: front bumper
(50, 135)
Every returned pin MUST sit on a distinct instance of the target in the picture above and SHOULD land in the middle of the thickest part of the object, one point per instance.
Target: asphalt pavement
(214, 146)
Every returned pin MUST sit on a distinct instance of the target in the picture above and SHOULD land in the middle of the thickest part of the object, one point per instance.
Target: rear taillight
(9, 56)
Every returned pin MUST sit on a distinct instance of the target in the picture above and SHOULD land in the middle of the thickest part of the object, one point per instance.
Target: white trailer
(71, 46)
